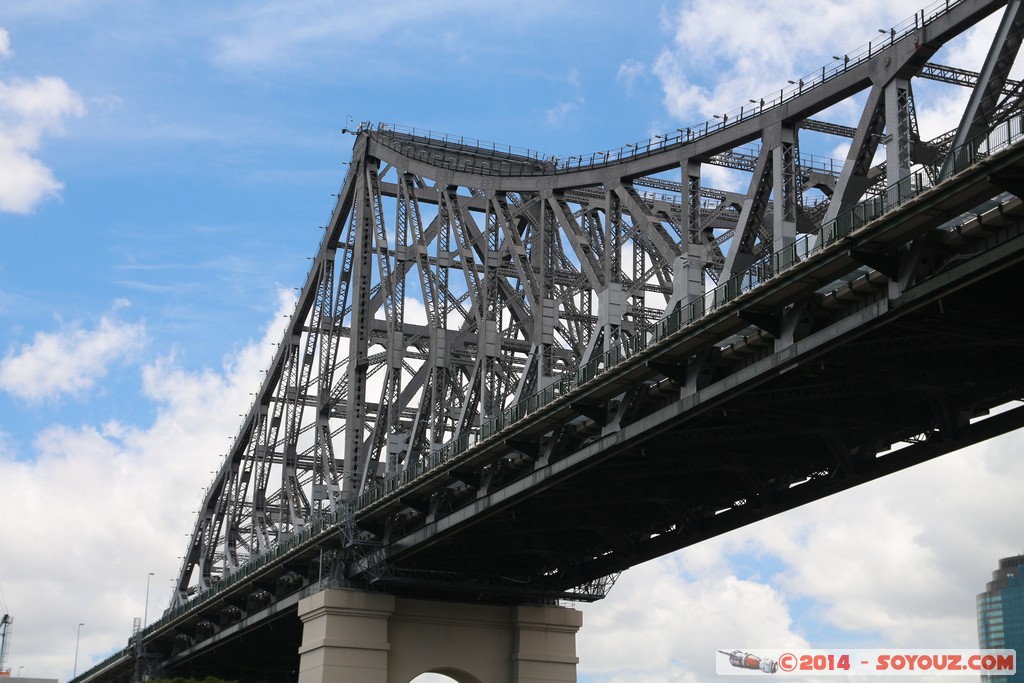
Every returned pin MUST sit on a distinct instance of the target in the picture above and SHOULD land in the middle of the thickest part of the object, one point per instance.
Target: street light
(74, 673)
(145, 612)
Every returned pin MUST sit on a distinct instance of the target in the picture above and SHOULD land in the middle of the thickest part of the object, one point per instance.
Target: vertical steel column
(359, 338)
(898, 128)
(394, 442)
(545, 315)
(688, 268)
(611, 300)
(325, 476)
(439, 410)
(786, 182)
(489, 346)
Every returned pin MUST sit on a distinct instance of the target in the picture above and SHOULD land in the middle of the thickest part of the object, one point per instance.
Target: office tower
(1001, 613)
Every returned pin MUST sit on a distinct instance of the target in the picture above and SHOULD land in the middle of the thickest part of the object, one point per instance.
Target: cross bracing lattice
(458, 278)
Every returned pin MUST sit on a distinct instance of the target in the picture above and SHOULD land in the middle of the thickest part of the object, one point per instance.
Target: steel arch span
(461, 284)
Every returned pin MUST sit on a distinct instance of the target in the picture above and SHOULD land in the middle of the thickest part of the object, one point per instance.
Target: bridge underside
(921, 376)
(269, 653)
(825, 420)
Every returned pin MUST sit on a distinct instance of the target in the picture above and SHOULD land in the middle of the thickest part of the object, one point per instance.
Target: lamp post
(77, 638)
(145, 612)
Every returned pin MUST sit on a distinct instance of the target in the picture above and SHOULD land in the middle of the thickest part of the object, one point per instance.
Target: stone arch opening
(445, 676)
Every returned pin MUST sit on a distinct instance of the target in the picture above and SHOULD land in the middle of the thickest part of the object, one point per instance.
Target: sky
(163, 177)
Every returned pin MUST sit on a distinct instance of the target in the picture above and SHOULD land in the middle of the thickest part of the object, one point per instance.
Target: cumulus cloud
(29, 110)
(69, 361)
(723, 54)
(906, 555)
(892, 563)
(647, 629)
(629, 72)
(558, 113)
(108, 500)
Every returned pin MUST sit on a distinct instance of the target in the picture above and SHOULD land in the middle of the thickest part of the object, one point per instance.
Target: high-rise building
(1001, 613)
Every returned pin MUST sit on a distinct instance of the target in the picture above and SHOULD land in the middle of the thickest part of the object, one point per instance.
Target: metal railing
(999, 137)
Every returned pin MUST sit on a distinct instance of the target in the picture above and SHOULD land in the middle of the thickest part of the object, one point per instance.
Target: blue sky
(163, 174)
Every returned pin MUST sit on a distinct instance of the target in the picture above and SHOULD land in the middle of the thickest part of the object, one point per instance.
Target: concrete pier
(353, 636)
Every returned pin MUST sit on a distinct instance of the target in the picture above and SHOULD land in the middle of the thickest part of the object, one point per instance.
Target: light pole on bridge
(145, 611)
(74, 671)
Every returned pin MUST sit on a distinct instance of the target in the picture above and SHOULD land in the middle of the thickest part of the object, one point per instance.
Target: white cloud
(944, 524)
(277, 32)
(104, 503)
(658, 625)
(722, 178)
(629, 72)
(28, 111)
(556, 114)
(893, 563)
(573, 78)
(5, 43)
(69, 361)
(24, 180)
(32, 108)
(724, 54)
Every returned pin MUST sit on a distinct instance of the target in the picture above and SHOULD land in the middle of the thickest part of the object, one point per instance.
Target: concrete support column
(356, 637)
(545, 648)
(345, 637)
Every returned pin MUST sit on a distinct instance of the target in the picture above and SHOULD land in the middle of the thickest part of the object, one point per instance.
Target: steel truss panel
(457, 280)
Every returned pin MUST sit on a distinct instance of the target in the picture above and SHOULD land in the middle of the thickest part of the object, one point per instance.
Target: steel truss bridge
(509, 376)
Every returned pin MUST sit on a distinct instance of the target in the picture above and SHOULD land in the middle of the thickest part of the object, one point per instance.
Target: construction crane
(5, 629)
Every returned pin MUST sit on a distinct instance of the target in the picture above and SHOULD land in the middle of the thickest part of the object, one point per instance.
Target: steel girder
(456, 278)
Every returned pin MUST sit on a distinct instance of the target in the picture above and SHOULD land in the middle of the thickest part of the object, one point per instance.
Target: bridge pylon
(362, 637)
